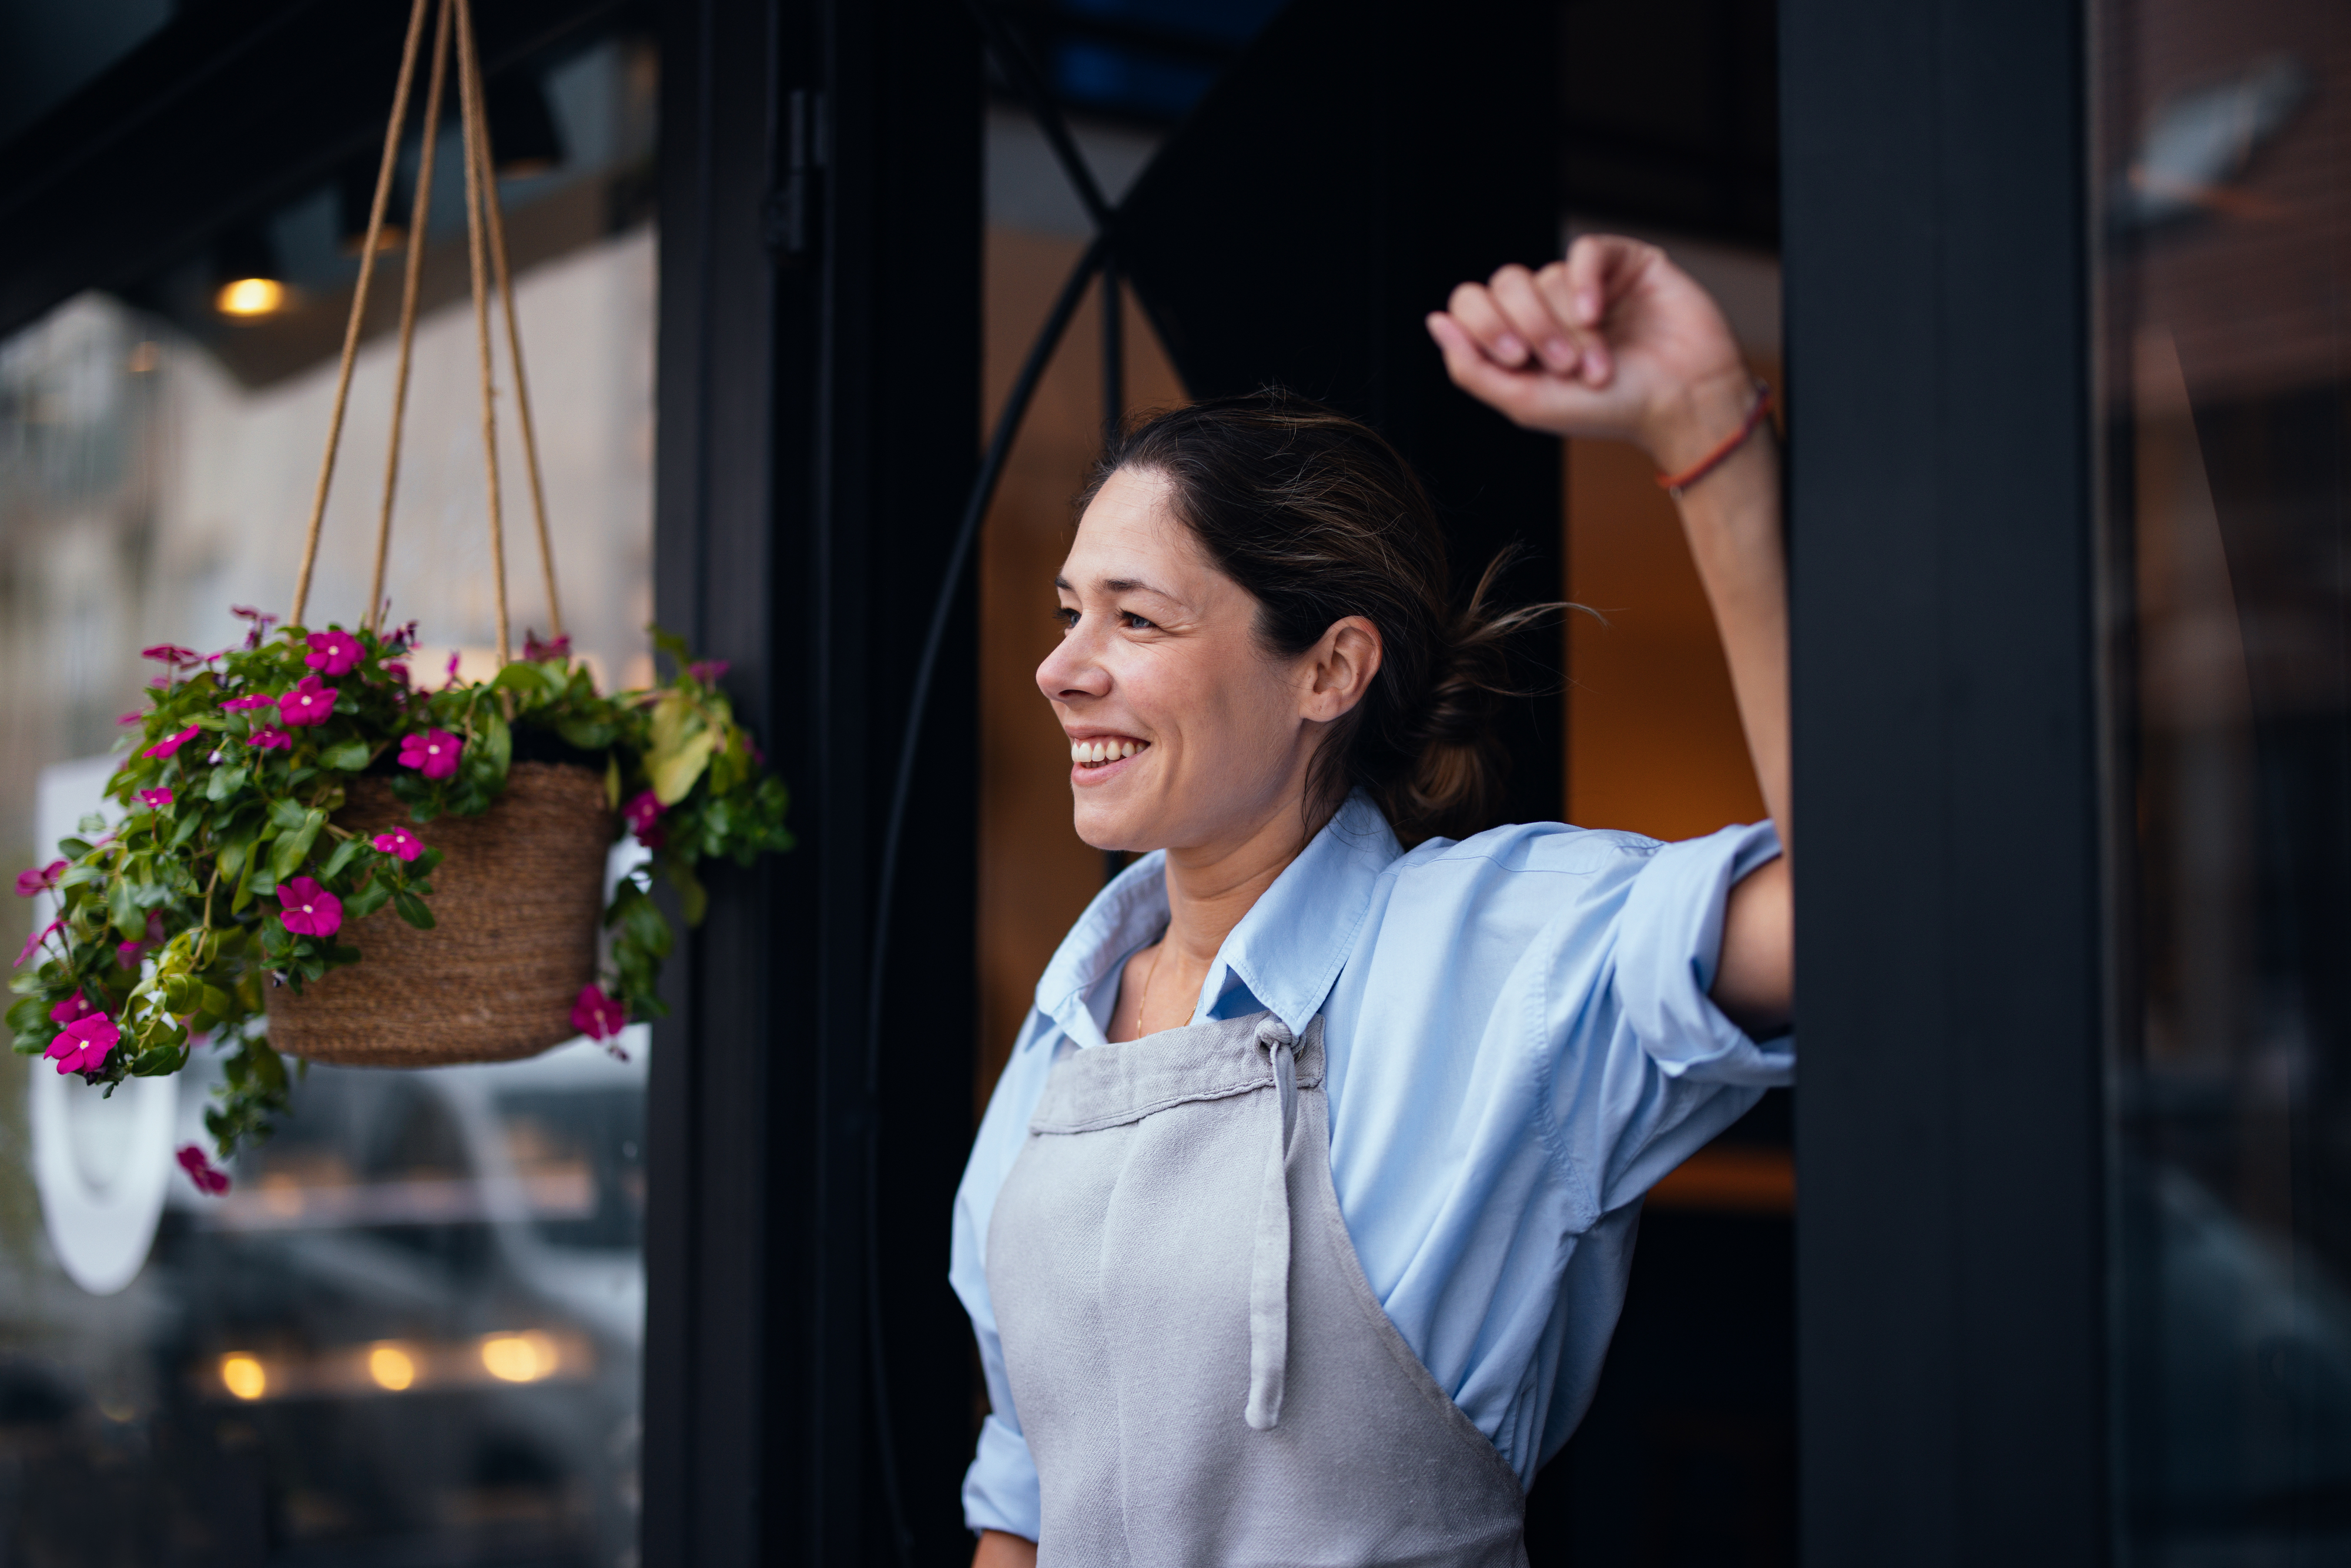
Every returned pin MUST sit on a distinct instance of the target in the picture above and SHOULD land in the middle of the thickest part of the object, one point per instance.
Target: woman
(1300, 1217)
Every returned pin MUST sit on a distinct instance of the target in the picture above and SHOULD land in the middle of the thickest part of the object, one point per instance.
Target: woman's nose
(1073, 669)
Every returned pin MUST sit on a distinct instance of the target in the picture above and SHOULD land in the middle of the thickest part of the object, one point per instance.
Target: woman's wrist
(1698, 418)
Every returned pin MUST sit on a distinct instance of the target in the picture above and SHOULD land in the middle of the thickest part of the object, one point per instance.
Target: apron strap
(1269, 1264)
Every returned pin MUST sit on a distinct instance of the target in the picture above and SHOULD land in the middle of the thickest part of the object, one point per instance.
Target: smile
(1102, 752)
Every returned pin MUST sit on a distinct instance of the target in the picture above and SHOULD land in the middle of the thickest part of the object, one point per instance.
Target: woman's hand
(1615, 342)
(1618, 343)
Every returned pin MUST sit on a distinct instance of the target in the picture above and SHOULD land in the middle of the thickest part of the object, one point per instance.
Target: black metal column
(819, 389)
(1950, 1273)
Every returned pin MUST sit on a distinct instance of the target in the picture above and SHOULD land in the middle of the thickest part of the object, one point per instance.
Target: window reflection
(2222, 280)
(411, 1333)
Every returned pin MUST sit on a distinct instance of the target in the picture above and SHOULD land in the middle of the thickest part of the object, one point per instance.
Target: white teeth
(1092, 753)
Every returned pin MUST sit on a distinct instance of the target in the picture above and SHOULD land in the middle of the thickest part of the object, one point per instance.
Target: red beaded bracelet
(1675, 484)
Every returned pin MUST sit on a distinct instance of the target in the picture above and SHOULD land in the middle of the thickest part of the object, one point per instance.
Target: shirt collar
(1287, 950)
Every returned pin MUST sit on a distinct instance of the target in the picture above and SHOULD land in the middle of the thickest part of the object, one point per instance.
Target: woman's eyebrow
(1121, 585)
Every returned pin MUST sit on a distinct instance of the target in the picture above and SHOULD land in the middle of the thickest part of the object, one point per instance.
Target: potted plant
(289, 807)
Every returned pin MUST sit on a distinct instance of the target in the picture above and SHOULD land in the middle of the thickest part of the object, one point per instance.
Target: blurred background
(413, 1333)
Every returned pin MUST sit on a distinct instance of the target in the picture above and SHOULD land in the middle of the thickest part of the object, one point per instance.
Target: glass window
(410, 1330)
(2224, 272)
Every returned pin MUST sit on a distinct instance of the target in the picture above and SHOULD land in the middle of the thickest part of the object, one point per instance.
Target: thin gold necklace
(1143, 1008)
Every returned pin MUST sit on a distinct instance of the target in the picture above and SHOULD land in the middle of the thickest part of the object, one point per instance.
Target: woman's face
(1204, 737)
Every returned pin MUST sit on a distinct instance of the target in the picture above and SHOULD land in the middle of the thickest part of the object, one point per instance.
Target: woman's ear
(1339, 669)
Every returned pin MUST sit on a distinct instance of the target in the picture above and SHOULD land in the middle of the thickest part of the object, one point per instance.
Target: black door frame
(1948, 1130)
(819, 417)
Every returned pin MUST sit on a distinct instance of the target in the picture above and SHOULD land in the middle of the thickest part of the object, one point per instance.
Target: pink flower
(171, 653)
(131, 719)
(398, 841)
(452, 671)
(29, 883)
(553, 648)
(397, 671)
(311, 910)
(309, 702)
(268, 737)
(251, 700)
(82, 1045)
(158, 798)
(210, 1179)
(74, 1007)
(708, 670)
(643, 814)
(435, 751)
(261, 623)
(33, 942)
(171, 743)
(598, 1015)
(334, 652)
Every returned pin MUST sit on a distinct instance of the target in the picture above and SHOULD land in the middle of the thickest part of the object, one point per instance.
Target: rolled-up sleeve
(999, 1490)
(1668, 943)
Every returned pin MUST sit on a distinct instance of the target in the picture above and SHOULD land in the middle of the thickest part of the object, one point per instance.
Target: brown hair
(1319, 518)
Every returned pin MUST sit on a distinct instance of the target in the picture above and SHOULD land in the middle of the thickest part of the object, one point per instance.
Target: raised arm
(1618, 343)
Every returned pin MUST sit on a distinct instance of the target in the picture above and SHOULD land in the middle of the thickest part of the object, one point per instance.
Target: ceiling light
(243, 1375)
(391, 1367)
(249, 285)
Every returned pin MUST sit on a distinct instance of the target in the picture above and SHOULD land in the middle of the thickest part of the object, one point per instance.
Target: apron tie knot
(1269, 1263)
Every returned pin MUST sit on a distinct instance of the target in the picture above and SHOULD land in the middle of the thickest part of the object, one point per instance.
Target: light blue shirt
(1519, 1043)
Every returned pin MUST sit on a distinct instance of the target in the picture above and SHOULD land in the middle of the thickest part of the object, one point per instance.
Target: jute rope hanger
(483, 213)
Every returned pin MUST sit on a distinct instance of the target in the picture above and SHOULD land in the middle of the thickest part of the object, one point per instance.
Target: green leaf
(28, 1014)
(673, 773)
(287, 815)
(91, 825)
(498, 742)
(122, 909)
(343, 855)
(612, 782)
(349, 757)
(369, 899)
(292, 847)
(411, 909)
(225, 782)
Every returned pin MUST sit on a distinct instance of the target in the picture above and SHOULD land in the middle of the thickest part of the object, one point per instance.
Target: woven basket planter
(517, 904)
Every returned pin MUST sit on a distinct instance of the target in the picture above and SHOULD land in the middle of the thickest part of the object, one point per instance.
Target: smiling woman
(1311, 1185)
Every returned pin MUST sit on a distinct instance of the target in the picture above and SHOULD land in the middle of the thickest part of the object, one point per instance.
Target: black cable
(983, 490)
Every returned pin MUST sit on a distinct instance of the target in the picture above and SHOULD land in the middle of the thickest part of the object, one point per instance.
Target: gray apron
(1201, 1370)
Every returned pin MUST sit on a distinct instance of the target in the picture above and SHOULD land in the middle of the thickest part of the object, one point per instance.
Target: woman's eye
(1131, 621)
(1067, 617)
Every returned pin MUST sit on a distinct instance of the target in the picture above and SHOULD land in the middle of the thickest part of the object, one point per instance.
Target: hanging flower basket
(517, 900)
(321, 857)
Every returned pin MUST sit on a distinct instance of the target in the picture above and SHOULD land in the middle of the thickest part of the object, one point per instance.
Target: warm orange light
(243, 1375)
(390, 1367)
(518, 1357)
(250, 296)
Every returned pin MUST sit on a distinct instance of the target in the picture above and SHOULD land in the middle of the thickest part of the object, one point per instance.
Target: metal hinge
(789, 214)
